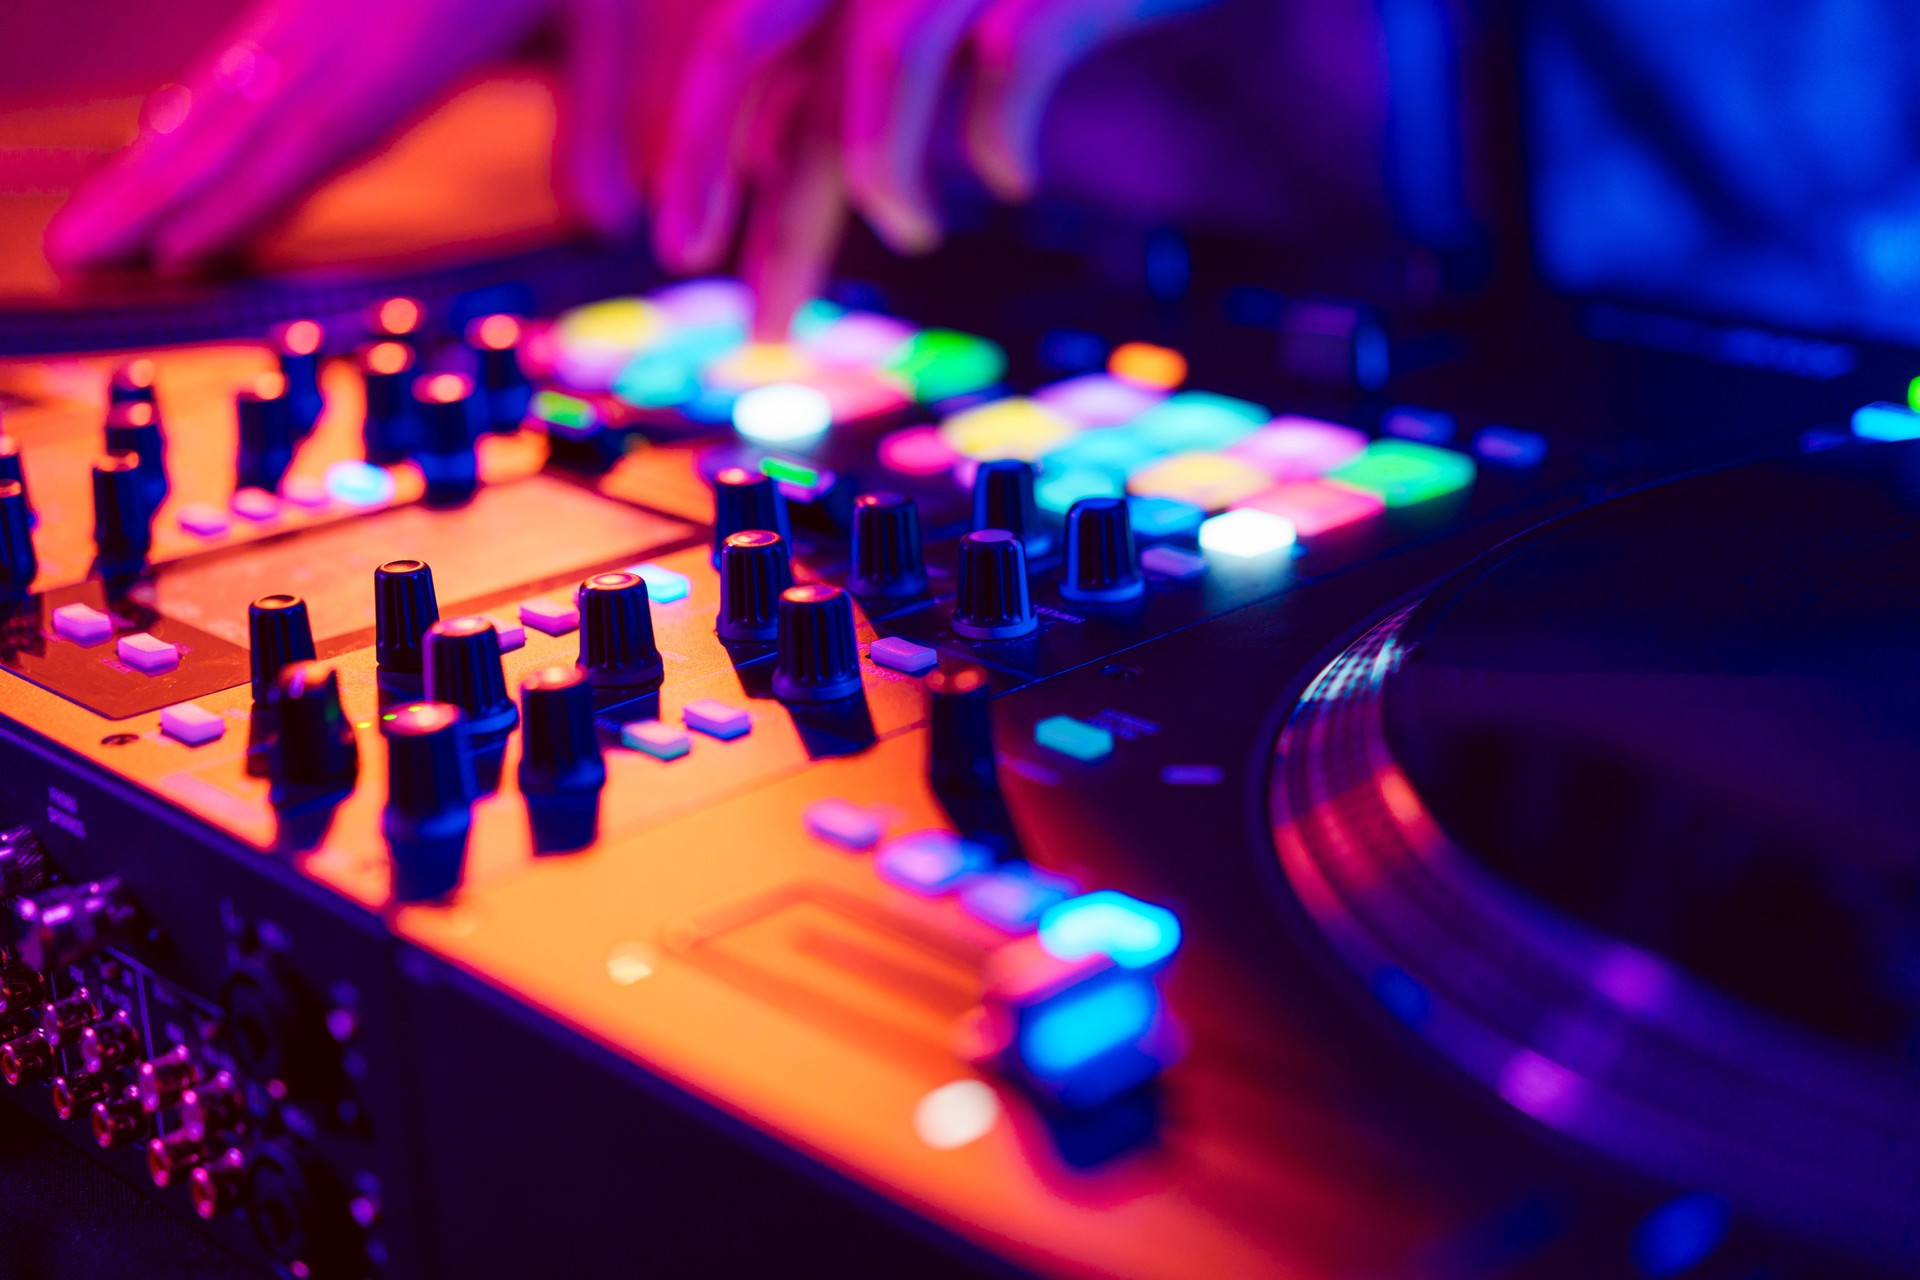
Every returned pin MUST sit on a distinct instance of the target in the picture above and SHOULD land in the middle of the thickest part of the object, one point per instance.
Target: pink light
(1318, 507)
(859, 339)
(1296, 448)
(917, 451)
(1099, 399)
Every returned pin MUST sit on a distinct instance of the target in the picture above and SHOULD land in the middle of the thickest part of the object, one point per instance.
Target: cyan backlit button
(1074, 738)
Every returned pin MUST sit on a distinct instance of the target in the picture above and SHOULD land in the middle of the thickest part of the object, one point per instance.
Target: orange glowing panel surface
(1148, 365)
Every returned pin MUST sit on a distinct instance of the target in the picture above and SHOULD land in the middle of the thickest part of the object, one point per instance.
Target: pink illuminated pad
(1318, 507)
(148, 653)
(554, 617)
(917, 451)
(1296, 448)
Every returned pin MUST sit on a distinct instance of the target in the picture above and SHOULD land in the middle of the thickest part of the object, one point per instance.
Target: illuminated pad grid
(1181, 455)
(688, 348)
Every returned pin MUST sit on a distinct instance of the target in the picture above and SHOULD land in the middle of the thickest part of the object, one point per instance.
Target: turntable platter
(1621, 819)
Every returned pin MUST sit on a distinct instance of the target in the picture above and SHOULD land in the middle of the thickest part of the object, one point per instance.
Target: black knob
(279, 632)
(962, 765)
(745, 499)
(991, 601)
(464, 669)
(23, 862)
(65, 924)
(134, 428)
(268, 434)
(886, 547)
(131, 383)
(122, 520)
(495, 341)
(313, 752)
(298, 347)
(1003, 499)
(819, 657)
(449, 425)
(11, 468)
(559, 751)
(430, 790)
(18, 562)
(392, 428)
(754, 570)
(403, 608)
(617, 649)
(1102, 565)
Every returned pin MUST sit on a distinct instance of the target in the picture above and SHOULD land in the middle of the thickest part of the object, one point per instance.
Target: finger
(700, 169)
(900, 55)
(1023, 49)
(191, 133)
(799, 205)
(594, 148)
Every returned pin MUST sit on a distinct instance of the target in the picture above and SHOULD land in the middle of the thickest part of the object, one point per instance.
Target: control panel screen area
(1765, 169)
(526, 533)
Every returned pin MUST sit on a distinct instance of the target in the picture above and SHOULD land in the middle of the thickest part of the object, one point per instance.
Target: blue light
(1073, 1030)
(1886, 422)
(664, 585)
(1679, 1235)
(1402, 994)
(1137, 935)
(359, 484)
(1163, 517)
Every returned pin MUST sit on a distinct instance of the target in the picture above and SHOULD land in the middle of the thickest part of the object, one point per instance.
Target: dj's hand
(795, 110)
(302, 87)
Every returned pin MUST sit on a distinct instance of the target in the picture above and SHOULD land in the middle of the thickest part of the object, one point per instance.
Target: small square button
(305, 491)
(148, 653)
(1014, 897)
(716, 719)
(554, 617)
(843, 823)
(659, 740)
(1074, 738)
(664, 585)
(82, 624)
(930, 863)
(203, 521)
(512, 634)
(192, 724)
(903, 655)
(1172, 562)
(256, 505)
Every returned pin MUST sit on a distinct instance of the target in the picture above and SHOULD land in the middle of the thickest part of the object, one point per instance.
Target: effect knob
(449, 425)
(617, 648)
(464, 669)
(819, 656)
(135, 428)
(404, 606)
(278, 632)
(430, 790)
(495, 341)
(559, 750)
(754, 570)
(392, 428)
(744, 499)
(131, 383)
(18, 562)
(992, 600)
(268, 434)
(122, 520)
(313, 752)
(887, 561)
(1003, 499)
(1102, 565)
(297, 345)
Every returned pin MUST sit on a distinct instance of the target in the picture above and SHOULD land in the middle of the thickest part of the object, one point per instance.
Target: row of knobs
(992, 597)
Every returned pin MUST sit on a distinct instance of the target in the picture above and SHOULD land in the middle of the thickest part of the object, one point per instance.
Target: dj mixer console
(595, 795)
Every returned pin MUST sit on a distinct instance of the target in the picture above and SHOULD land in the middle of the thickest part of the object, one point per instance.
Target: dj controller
(585, 793)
